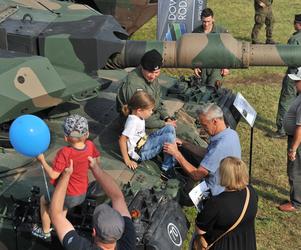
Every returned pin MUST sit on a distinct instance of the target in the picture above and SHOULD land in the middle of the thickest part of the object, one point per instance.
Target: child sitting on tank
(136, 145)
(79, 148)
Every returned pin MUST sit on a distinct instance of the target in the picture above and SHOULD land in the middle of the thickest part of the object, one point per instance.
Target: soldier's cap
(151, 60)
(296, 76)
(297, 18)
(75, 126)
(108, 223)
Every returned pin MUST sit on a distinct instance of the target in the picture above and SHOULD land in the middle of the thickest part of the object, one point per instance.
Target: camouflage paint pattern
(212, 50)
(27, 83)
(78, 41)
(51, 51)
(71, 41)
(24, 172)
(131, 14)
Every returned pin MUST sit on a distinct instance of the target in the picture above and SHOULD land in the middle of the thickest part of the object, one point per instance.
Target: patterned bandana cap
(75, 126)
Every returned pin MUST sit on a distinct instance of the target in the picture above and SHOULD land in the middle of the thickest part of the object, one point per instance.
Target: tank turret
(50, 51)
(52, 57)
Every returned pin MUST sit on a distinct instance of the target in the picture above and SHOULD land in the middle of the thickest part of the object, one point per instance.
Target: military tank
(130, 14)
(58, 58)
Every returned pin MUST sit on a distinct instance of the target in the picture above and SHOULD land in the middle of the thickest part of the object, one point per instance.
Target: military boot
(257, 42)
(270, 41)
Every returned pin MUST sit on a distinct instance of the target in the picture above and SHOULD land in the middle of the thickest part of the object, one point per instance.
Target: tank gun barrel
(212, 51)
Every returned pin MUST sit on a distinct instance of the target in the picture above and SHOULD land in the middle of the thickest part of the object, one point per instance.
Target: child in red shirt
(79, 149)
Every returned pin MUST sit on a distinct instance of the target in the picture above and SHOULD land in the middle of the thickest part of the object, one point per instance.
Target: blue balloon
(29, 135)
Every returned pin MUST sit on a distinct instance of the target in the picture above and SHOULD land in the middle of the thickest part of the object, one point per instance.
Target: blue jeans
(154, 145)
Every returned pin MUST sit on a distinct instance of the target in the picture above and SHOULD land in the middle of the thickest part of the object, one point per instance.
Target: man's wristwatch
(291, 150)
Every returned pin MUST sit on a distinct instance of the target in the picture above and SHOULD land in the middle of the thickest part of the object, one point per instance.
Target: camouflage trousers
(287, 95)
(264, 16)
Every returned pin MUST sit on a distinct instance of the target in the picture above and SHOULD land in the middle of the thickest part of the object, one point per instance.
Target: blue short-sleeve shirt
(224, 144)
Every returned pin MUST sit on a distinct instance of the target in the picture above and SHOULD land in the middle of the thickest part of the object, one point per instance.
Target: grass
(261, 87)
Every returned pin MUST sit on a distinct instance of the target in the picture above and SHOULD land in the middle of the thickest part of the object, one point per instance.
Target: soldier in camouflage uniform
(263, 15)
(145, 77)
(210, 77)
(288, 90)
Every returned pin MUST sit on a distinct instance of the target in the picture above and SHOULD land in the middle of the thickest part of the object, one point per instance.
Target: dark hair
(207, 12)
(140, 99)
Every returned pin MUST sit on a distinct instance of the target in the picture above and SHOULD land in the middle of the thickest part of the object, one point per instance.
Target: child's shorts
(70, 201)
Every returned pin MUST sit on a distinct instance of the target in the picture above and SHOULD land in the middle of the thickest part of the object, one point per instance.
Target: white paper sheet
(197, 193)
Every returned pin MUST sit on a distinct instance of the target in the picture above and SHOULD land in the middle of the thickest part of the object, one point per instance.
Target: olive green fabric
(288, 90)
(263, 15)
(186, 128)
(135, 82)
(215, 29)
(211, 77)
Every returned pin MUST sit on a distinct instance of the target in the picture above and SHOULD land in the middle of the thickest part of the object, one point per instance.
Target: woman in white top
(135, 145)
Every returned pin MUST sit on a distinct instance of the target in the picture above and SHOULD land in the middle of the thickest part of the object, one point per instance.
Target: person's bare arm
(195, 173)
(197, 72)
(61, 224)
(49, 170)
(110, 187)
(199, 231)
(124, 152)
(295, 144)
(171, 122)
(225, 72)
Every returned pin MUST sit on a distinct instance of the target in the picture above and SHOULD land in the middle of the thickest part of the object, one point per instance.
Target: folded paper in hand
(199, 193)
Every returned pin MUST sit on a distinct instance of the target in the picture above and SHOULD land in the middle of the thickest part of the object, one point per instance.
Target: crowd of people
(226, 218)
(112, 226)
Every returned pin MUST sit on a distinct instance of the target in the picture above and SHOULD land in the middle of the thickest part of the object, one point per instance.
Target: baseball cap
(151, 60)
(108, 223)
(75, 126)
(296, 76)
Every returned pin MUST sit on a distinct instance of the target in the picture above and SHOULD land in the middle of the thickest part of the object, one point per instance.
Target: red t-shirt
(78, 182)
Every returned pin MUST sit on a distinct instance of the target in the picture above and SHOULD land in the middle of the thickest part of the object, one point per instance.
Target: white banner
(176, 17)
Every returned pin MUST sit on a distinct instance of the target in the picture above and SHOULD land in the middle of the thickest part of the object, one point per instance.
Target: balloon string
(46, 185)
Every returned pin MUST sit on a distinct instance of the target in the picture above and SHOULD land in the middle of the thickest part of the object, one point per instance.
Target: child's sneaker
(38, 232)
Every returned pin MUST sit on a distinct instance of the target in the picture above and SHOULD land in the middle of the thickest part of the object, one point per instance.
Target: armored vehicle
(59, 58)
(130, 14)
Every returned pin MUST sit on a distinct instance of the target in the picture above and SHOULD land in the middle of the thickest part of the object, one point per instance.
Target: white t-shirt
(134, 129)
